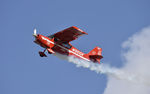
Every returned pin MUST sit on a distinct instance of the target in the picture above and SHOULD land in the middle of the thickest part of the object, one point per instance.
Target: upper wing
(69, 34)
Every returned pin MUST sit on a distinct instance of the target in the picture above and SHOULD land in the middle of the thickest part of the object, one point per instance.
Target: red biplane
(60, 43)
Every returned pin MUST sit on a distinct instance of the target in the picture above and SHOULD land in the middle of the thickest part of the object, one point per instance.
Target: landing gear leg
(42, 54)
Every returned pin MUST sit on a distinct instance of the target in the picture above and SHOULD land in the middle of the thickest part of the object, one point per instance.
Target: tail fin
(96, 54)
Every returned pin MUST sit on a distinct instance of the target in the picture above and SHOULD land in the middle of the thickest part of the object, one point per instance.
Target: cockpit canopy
(65, 44)
(51, 36)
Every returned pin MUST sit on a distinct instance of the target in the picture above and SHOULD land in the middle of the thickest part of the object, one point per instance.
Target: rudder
(96, 54)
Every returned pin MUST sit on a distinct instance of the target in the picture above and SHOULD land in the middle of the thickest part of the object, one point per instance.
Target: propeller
(34, 34)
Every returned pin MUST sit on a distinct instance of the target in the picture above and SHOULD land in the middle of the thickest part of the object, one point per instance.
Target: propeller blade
(34, 34)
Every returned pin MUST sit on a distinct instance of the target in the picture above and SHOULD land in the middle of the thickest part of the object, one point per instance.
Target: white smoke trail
(114, 72)
(134, 77)
(106, 69)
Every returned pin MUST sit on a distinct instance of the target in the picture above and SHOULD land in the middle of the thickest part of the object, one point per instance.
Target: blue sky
(108, 24)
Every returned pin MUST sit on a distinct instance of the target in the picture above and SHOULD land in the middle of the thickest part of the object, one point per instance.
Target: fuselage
(56, 46)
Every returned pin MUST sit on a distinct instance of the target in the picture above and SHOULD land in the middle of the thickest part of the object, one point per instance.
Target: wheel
(42, 54)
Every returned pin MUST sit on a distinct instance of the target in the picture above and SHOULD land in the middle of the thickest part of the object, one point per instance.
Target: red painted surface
(58, 43)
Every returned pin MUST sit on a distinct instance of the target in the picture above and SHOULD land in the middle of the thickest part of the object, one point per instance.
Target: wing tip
(80, 30)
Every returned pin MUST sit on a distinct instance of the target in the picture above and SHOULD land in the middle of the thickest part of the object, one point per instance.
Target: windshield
(67, 45)
(51, 36)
